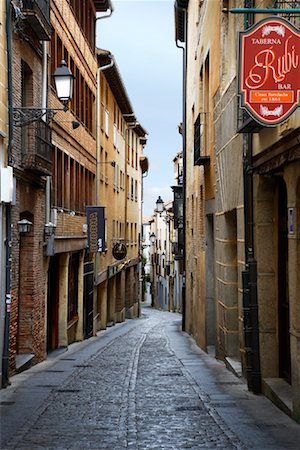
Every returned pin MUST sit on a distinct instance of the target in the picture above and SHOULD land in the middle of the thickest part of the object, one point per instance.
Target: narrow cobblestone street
(141, 385)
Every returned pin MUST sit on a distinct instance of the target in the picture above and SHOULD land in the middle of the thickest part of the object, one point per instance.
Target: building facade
(121, 167)
(65, 158)
(6, 174)
(201, 56)
(32, 163)
(162, 236)
(177, 238)
(242, 207)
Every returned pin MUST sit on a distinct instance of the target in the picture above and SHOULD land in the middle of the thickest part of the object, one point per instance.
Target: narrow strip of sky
(140, 34)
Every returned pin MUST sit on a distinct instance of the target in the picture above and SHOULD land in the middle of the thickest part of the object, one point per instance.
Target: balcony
(199, 158)
(37, 148)
(37, 15)
(245, 123)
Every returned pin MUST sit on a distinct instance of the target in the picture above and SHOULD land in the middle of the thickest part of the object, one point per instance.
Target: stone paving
(133, 392)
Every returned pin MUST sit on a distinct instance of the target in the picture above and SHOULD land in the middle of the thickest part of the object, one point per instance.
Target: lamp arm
(23, 116)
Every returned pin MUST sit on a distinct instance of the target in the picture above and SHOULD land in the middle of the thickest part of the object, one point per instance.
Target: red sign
(269, 77)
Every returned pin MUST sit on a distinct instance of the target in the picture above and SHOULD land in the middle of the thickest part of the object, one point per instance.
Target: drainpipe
(249, 276)
(98, 144)
(98, 124)
(106, 16)
(184, 79)
(250, 301)
(5, 355)
(98, 105)
(44, 118)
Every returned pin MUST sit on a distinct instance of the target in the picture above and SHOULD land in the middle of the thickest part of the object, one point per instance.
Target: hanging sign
(269, 68)
(119, 251)
(96, 229)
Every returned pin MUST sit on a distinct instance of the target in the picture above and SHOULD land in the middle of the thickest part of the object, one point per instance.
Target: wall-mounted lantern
(24, 226)
(64, 81)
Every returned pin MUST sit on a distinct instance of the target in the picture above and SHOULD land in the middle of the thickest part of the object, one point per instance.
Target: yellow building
(249, 234)
(121, 165)
(202, 82)
(74, 172)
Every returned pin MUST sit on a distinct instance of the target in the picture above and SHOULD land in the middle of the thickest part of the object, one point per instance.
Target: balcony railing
(245, 123)
(199, 158)
(289, 4)
(37, 148)
(37, 14)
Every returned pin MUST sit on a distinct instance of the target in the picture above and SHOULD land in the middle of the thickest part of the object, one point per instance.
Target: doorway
(210, 308)
(283, 286)
(88, 297)
(52, 304)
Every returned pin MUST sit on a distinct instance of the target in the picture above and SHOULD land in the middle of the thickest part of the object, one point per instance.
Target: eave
(180, 7)
(114, 79)
(102, 5)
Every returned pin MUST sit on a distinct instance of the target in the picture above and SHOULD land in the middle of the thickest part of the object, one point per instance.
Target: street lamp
(152, 238)
(64, 81)
(159, 205)
(24, 226)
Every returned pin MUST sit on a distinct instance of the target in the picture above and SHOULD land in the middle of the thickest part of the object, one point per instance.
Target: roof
(114, 79)
(180, 13)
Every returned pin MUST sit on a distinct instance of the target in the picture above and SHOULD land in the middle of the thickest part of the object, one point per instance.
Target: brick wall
(29, 266)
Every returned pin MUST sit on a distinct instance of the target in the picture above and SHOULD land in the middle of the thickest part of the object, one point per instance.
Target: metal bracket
(23, 116)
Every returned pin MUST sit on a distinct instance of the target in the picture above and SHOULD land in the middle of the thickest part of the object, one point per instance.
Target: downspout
(44, 118)
(250, 301)
(249, 276)
(98, 105)
(106, 16)
(5, 354)
(184, 79)
(98, 144)
(98, 124)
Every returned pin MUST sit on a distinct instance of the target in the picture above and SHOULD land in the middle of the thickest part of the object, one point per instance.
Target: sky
(141, 36)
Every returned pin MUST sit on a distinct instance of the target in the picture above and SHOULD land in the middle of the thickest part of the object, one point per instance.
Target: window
(106, 122)
(82, 103)
(73, 185)
(85, 15)
(132, 189)
(197, 139)
(136, 190)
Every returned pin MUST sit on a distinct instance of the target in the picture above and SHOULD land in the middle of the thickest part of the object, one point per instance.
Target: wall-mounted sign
(269, 67)
(96, 229)
(119, 251)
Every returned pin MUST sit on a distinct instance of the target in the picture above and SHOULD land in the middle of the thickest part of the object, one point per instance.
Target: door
(283, 287)
(88, 301)
(52, 304)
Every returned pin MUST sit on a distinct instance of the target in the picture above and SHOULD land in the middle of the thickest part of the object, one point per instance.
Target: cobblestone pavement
(134, 391)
